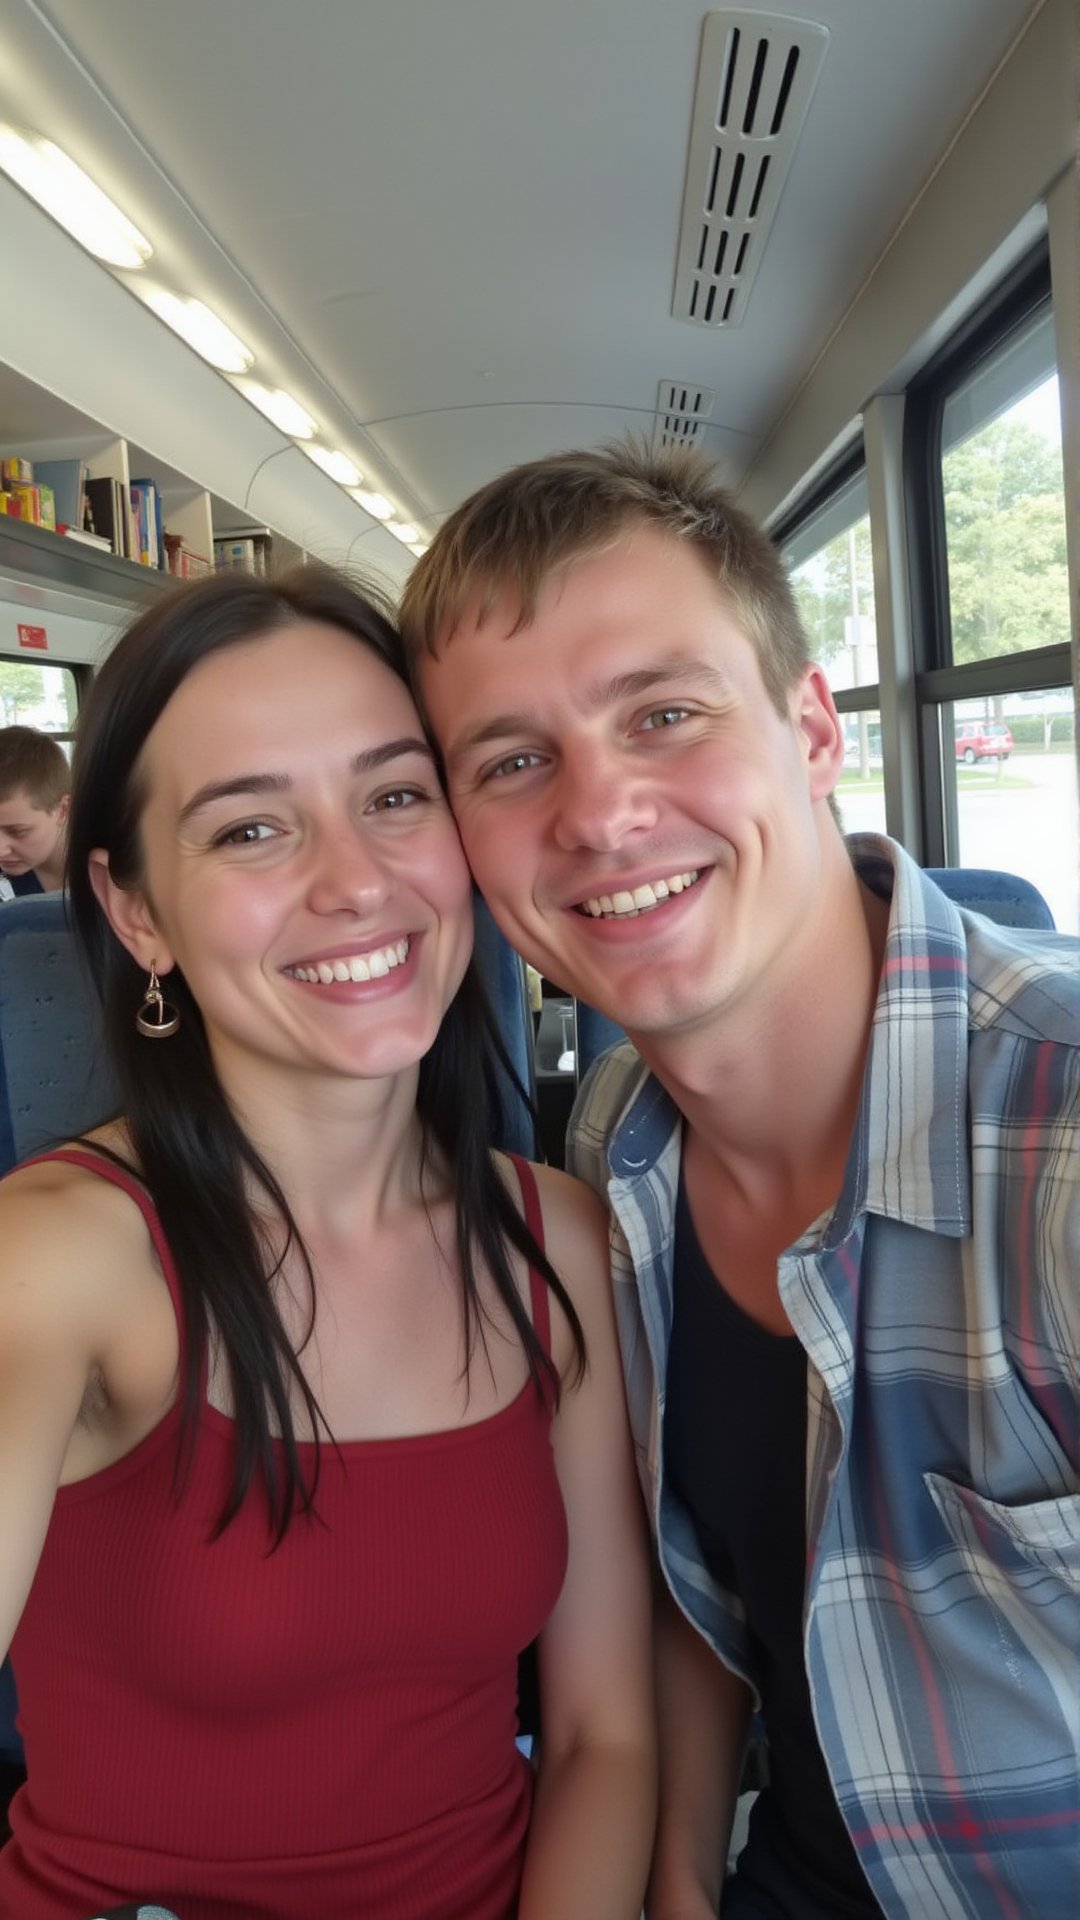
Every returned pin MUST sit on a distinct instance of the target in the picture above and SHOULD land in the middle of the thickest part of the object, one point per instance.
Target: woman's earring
(156, 1018)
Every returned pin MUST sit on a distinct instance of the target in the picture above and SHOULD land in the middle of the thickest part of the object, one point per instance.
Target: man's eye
(514, 763)
(664, 717)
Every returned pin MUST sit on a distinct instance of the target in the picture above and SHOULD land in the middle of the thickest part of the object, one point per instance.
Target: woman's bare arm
(704, 1712)
(81, 1301)
(591, 1836)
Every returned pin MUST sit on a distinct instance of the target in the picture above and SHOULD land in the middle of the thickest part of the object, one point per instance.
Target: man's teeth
(359, 966)
(624, 906)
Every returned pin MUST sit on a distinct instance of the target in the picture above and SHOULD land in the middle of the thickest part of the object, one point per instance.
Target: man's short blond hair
(517, 531)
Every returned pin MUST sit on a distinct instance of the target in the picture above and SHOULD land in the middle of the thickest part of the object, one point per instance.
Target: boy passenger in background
(35, 782)
(841, 1158)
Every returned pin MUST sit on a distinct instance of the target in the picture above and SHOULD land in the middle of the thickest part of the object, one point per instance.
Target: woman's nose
(346, 875)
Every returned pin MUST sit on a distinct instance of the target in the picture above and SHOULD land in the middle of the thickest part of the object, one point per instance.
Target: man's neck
(50, 875)
(771, 1092)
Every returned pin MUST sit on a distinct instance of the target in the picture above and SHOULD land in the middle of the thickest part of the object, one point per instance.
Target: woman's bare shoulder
(68, 1237)
(564, 1201)
(576, 1243)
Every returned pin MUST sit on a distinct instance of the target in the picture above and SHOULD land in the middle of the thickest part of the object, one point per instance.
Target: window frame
(1023, 297)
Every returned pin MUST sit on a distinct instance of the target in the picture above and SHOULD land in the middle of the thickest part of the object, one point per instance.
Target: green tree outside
(1005, 531)
(21, 688)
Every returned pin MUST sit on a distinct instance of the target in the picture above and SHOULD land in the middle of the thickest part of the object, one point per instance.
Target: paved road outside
(1030, 830)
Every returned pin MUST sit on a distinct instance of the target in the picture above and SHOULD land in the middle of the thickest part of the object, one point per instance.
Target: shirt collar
(909, 1156)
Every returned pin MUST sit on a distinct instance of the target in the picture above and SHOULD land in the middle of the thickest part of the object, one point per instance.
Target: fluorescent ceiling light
(418, 547)
(337, 465)
(402, 531)
(202, 330)
(70, 196)
(281, 408)
(377, 504)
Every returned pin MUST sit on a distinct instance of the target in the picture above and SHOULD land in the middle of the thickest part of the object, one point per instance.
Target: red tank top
(325, 1730)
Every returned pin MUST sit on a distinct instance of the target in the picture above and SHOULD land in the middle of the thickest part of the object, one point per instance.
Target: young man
(35, 783)
(841, 1157)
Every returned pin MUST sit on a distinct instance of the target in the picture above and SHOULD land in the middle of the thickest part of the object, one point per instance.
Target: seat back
(503, 974)
(595, 1034)
(53, 1077)
(1003, 897)
(10, 1744)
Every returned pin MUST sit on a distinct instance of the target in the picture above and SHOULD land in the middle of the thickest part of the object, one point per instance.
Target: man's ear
(128, 913)
(62, 809)
(814, 714)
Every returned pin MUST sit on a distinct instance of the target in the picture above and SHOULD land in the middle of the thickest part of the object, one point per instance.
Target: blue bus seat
(595, 1034)
(10, 1744)
(53, 1076)
(53, 1079)
(1003, 897)
(503, 974)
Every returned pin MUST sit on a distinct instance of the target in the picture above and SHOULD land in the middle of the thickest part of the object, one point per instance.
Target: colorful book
(67, 478)
(146, 500)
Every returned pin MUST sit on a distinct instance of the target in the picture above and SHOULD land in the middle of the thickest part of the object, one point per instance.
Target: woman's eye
(395, 801)
(248, 834)
(664, 717)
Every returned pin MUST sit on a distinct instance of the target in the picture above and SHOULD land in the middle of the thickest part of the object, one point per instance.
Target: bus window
(45, 697)
(1009, 751)
(832, 576)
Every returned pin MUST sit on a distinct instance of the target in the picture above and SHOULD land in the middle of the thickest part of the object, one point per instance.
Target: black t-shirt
(735, 1454)
(21, 883)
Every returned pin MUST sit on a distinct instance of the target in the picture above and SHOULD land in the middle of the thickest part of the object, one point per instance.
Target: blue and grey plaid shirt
(939, 1306)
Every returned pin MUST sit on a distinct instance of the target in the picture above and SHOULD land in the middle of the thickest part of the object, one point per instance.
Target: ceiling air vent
(681, 414)
(755, 81)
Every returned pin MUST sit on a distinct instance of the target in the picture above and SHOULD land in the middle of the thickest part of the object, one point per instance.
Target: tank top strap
(539, 1299)
(129, 1184)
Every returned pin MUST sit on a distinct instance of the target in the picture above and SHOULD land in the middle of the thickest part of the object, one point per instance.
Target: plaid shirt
(938, 1306)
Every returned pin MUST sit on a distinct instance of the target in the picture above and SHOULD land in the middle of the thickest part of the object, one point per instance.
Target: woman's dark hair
(190, 1149)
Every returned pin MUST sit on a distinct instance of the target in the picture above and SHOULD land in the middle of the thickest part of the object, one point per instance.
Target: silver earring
(156, 1018)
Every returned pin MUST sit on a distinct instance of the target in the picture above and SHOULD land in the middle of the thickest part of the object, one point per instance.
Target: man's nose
(600, 801)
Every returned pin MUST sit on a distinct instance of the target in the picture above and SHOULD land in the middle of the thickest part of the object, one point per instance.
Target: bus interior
(371, 255)
(835, 248)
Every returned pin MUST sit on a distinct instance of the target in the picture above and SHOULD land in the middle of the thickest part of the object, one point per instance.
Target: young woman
(310, 1408)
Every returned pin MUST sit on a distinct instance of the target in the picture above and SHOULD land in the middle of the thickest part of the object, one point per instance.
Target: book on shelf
(181, 560)
(86, 539)
(28, 497)
(67, 478)
(110, 512)
(146, 508)
(247, 550)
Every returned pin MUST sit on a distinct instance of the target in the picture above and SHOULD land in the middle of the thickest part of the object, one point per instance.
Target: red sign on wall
(35, 638)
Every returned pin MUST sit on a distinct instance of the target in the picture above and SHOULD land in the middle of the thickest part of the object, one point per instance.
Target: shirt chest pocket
(1007, 1619)
(1035, 1543)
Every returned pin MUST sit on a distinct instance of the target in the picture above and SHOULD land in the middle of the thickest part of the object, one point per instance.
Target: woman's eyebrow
(225, 790)
(367, 761)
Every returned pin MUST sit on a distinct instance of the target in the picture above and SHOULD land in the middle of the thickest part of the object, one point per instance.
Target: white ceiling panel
(450, 226)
